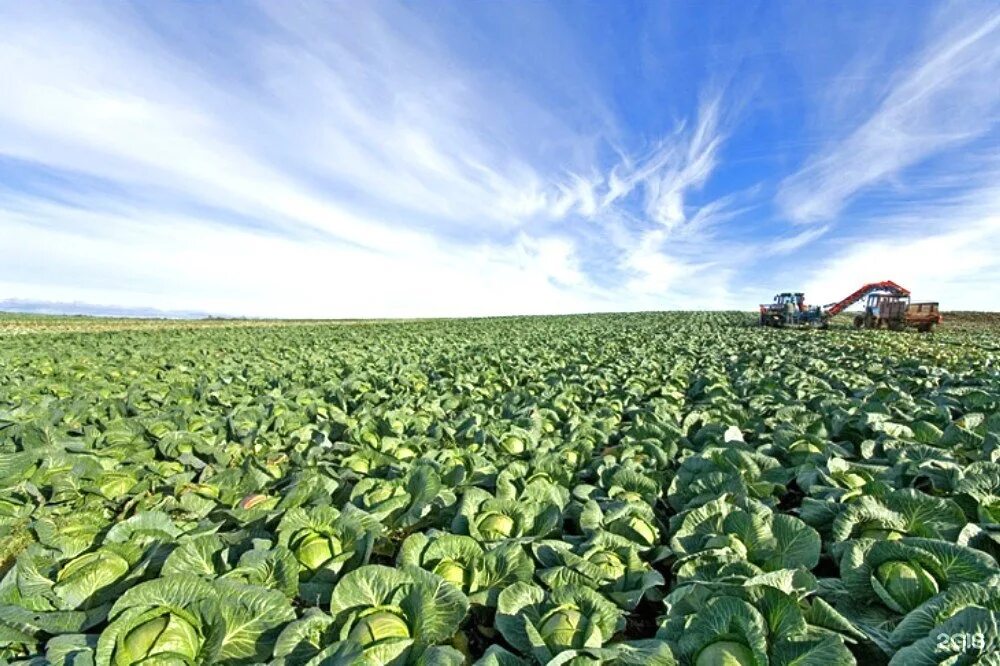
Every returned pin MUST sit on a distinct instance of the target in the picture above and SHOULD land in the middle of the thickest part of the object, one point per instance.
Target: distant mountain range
(24, 306)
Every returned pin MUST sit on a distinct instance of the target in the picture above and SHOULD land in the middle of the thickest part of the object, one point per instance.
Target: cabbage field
(609, 489)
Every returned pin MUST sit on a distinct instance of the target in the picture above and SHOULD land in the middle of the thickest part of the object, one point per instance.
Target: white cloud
(946, 98)
(954, 260)
(111, 104)
(684, 170)
(139, 258)
(376, 173)
(797, 241)
(657, 262)
(409, 167)
(682, 278)
(683, 161)
(679, 163)
(655, 271)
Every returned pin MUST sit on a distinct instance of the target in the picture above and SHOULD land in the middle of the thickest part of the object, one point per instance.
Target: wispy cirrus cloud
(328, 133)
(794, 242)
(946, 97)
(336, 159)
(662, 176)
(322, 115)
(675, 169)
(916, 174)
(387, 169)
(661, 240)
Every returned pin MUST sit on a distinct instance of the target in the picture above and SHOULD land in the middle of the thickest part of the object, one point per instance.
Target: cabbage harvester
(887, 305)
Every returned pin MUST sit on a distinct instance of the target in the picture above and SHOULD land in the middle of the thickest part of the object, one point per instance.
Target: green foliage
(650, 489)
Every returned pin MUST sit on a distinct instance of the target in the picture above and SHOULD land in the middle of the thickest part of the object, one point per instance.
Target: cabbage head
(542, 624)
(898, 576)
(386, 609)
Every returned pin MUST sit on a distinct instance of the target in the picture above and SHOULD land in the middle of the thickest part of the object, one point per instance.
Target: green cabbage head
(904, 573)
(359, 465)
(378, 626)
(512, 444)
(564, 628)
(852, 480)
(610, 564)
(800, 451)
(382, 493)
(386, 609)
(168, 637)
(907, 583)
(880, 534)
(453, 571)
(495, 526)
(544, 624)
(725, 653)
(313, 549)
(82, 576)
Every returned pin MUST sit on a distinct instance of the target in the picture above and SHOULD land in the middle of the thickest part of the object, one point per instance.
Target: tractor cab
(895, 312)
(789, 308)
(883, 310)
(887, 305)
(796, 299)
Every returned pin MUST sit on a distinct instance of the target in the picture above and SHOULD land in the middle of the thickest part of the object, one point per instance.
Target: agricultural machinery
(790, 309)
(887, 305)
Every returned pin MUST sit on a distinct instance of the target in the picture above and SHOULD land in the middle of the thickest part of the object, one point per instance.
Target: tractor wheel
(925, 328)
(896, 325)
(859, 321)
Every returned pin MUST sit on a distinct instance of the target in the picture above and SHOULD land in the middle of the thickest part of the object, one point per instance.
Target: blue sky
(456, 158)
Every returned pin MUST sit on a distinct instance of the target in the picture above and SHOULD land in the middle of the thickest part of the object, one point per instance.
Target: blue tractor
(790, 309)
